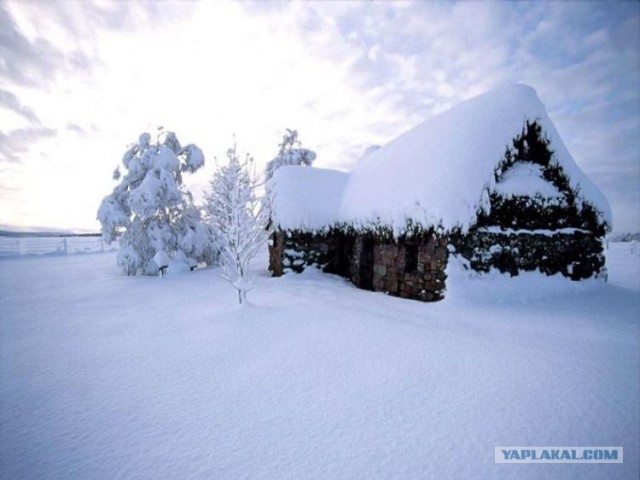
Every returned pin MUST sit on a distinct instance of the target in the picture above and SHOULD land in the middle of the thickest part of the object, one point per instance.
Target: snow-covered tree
(150, 210)
(290, 153)
(195, 238)
(238, 218)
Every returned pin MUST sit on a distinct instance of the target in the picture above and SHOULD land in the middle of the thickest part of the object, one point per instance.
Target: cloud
(16, 143)
(32, 61)
(9, 101)
(22, 60)
(73, 127)
(418, 57)
(89, 17)
(50, 54)
(42, 41)
(345, 74)
(34, 53)
(582, 57)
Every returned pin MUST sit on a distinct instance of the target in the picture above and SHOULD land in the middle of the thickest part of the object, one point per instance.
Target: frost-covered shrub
(150, 211)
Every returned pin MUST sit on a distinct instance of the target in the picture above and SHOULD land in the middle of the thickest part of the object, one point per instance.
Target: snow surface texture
(105, 376)
(439, 172)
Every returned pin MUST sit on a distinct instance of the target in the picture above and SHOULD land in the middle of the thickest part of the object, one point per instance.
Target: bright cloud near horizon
(80, 80)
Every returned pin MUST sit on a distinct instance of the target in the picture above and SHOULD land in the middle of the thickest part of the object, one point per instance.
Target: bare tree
(238, 217)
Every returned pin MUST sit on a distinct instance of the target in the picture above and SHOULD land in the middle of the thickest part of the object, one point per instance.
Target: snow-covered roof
(306, 198)
(438, 173)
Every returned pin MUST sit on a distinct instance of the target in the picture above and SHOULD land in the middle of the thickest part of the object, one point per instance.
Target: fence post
(64, 245)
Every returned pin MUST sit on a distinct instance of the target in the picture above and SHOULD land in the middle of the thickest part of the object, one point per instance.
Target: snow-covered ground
(108, 376)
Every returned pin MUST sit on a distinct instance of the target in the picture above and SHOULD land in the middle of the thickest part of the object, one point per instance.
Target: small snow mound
(180, 263)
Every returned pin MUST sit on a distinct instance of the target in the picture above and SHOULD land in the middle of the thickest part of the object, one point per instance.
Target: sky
(81, 80)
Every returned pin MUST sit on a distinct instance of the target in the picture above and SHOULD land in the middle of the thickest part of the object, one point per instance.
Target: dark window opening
(366, 265)
(410, 258)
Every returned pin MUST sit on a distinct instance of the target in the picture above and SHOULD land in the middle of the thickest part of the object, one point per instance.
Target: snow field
(108, 376)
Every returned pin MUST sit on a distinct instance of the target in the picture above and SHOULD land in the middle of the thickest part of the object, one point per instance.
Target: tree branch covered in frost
(238, 218)
(150, 210)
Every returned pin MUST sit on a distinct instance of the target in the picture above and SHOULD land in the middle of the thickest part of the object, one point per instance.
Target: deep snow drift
(108, 376)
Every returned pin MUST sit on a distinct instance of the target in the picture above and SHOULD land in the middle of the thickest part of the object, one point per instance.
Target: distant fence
(19, 246)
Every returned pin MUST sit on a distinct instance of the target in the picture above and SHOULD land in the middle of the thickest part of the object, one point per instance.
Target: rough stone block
(380, 270)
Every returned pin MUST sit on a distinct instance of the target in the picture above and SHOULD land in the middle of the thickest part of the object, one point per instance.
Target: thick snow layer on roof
(436, 173)
(306, 198)
(439, 173)
(525, 179)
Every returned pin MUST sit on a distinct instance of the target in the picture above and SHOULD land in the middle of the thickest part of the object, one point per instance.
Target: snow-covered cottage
(489, 180)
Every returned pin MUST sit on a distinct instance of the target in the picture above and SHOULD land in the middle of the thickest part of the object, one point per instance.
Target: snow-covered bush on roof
(149, 209)
(532, 190)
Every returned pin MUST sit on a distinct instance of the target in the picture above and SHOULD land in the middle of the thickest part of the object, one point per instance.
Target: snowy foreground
(108, 376)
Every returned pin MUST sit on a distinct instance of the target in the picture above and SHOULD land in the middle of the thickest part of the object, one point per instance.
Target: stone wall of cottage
(575, 254)
(410, 268)
(369, 262)
(415, 267)
(294, 251)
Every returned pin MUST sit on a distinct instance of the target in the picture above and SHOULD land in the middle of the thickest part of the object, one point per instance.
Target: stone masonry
(410, 268)
(576, 254)
(413, 268)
